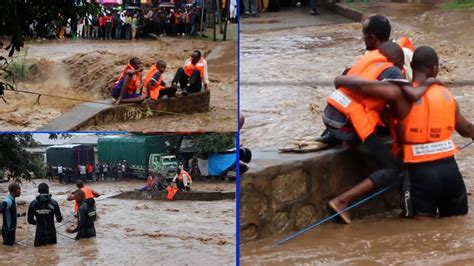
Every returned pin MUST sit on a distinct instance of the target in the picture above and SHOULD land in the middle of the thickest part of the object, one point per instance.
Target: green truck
(143, 154)
(70, 155)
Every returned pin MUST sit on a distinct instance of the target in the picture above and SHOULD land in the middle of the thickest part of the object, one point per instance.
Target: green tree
(214, 142)
(14, 159)
(17, 15)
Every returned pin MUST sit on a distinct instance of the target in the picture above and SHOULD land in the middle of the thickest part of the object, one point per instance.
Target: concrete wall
(287, 192)
(193, 103)
(193, 195)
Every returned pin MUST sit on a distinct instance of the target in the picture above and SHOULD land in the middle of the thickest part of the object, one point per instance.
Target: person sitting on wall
(155, 87)
(192, 75)
(129, 83)
(150, 182)
(182, 179)
(161, 183)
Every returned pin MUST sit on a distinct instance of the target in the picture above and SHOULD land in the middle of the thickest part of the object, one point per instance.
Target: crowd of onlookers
(184, 19)
(88, 172)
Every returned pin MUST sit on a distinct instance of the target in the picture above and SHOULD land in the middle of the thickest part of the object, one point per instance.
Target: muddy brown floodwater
(132, 232)
(87, 69)
(287, 104)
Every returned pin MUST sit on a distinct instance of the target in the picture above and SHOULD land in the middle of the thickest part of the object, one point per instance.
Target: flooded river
(286, 75)
(132, 232)
(87, 69)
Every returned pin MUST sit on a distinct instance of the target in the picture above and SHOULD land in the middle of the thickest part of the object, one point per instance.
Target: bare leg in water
(340, 202)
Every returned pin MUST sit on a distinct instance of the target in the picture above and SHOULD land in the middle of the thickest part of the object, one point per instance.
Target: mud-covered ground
(284, 105)
(85, 69)
(138, 232)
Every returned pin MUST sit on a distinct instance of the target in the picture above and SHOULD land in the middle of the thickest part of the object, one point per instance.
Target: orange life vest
(135, 79)
(189, 68)
(89, 195)
(405, 42)
(155, 90)
(151, 72)
(428, 127)
(360, 109)
(183, 172)
(171, 192)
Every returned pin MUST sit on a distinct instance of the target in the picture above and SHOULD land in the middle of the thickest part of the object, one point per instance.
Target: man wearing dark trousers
(41, 213)
(193, 74)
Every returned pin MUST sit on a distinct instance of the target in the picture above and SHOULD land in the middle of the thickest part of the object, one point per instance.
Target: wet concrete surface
(290, 17)
(137, 232)
(287, 74)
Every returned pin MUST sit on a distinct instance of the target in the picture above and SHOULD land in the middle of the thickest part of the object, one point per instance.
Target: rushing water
(87, 69)
(138, 232)
(285, 77)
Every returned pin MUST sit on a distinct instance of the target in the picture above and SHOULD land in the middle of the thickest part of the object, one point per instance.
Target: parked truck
(70, 156)
(143, 154)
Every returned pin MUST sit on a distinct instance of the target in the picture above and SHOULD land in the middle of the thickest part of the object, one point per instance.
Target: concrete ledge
(192, 195)
(344, 10)
(88, 115)
(283, 193)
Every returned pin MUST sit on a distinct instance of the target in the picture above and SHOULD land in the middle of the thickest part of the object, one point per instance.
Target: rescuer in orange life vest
(375, 31)
(89, 194)
(354, 117)
(153, 83)
(425, 127)
(182, 179)
(193, 74)
(128, 86)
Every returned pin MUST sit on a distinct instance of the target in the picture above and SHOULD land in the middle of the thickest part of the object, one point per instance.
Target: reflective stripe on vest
(416, 153)
(428, 127)
(189, 68)
(361, 110)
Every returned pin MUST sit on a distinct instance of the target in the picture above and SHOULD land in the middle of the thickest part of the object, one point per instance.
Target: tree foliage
(14, 159)
(214, 142)
(16, 17)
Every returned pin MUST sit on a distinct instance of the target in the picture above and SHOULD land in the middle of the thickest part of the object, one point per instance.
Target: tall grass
(17, 70)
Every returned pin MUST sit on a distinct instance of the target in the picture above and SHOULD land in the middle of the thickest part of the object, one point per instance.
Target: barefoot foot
(338, 206)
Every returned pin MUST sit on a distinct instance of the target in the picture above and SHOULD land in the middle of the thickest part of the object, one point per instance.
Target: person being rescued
(182, 179)
(89, 194)
(86, 216)
(192, 75)
(151, 182)
(155, 87)
(161, 183)
(127, 89)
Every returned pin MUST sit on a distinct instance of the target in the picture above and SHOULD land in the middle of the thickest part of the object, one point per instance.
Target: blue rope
(466, 145)
(304, 230)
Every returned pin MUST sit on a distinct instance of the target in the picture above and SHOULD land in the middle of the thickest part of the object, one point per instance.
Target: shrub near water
(17, 70)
